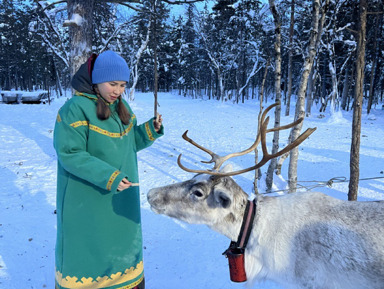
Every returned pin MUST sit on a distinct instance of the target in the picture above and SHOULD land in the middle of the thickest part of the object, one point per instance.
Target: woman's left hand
(124, 184)
(157, 122)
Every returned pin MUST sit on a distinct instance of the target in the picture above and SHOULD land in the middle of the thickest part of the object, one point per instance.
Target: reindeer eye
(197, 193)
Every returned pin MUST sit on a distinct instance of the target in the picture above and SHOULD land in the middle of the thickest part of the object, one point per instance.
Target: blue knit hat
(109, 66)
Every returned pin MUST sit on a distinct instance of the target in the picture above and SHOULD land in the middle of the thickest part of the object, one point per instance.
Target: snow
(76, 19)
(176, 255)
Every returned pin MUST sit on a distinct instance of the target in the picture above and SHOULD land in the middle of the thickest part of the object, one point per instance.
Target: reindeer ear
(223, 199)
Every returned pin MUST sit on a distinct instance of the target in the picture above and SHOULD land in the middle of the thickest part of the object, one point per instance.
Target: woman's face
(111, 90)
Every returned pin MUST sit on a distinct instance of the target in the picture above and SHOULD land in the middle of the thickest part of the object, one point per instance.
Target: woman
(99, 240)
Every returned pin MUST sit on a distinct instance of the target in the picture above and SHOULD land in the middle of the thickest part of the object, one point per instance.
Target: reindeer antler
(261, 136)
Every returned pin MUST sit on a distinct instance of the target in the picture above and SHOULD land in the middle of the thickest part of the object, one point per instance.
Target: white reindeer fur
(300, 240)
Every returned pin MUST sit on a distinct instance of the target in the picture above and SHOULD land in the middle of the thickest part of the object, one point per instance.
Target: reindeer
(299, 240)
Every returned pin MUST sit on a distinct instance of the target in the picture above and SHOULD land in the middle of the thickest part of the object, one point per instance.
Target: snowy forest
(219, 49)
(324, 54)
(215, 65)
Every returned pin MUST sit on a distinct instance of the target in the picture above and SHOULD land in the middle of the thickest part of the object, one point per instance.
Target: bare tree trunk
(344, 96)
(357, 110)
(334, 93)
(291, 135)
(9, 77)
(311, 83)
(135, 70)
(258, 172)
(58, 81)
(290, 56)
(275, 141)
(156, 74)
(221, 84)
(308, 63)
(374, 62)
(16, 78)
(350, 98)
(80, 27)
(244, 90)
(323, 94)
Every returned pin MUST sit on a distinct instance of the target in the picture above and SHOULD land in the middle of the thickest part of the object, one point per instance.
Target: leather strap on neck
(246, 226)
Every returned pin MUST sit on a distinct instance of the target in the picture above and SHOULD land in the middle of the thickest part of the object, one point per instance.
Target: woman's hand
(157, 122)
(124, 184)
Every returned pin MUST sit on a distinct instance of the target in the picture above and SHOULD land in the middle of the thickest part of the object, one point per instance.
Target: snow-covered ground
(176, 255)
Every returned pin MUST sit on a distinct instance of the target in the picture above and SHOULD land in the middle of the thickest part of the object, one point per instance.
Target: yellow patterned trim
(58, 117)
(134, 284)
(149, 133)
(102, 282)
(79, 123)
(87, 95)
(103, 131)
(112, 179)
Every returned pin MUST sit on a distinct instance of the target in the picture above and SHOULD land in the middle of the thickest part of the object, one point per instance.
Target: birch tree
(258, 171)
(310, 88)
(316, 30)
(80, 26)
(335, 35)
(275, 141)
(290, 57)
(222, 61)
(135, 70)
(247, 22)
(48, 27)
(80, 31)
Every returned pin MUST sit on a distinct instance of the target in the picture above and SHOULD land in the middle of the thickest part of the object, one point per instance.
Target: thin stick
(156, 75)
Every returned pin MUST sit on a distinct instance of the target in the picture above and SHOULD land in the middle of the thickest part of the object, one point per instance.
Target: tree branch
(50, 5)
(178, 2)
(375, 13)
(351, 30)
(131, 7)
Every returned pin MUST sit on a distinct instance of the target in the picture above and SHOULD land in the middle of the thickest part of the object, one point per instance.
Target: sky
(176, 255)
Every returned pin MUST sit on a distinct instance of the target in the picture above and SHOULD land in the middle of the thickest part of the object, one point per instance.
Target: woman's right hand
(157, 122)
(124, 184)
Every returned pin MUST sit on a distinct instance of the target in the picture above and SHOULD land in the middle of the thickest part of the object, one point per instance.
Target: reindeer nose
(156, 201)
(151, 196)
(158, 197)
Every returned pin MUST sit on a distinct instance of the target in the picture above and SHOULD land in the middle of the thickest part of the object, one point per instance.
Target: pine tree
(174, 42)
(188, 54)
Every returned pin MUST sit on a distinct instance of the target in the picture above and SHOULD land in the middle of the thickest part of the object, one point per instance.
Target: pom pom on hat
(109, 66)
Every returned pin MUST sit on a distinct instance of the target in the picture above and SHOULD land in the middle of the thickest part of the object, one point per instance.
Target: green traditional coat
(99, 240)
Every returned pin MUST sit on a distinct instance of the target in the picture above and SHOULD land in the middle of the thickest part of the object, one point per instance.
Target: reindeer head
(204, 199)
(212, 197)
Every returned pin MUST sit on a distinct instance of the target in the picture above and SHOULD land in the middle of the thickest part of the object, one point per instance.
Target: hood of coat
(81, 81)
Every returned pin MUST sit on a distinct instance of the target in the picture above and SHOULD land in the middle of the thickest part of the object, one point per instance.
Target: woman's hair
(104, 112)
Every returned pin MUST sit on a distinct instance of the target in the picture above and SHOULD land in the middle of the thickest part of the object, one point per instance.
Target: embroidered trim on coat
(102, 282)
(79, 123)
(134, 284)
(90, 96)
(103, 131)
(58, 118)
(112, 179)
(149, 133)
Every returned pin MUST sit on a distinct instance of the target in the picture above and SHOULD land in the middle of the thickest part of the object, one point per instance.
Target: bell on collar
(235, 257)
